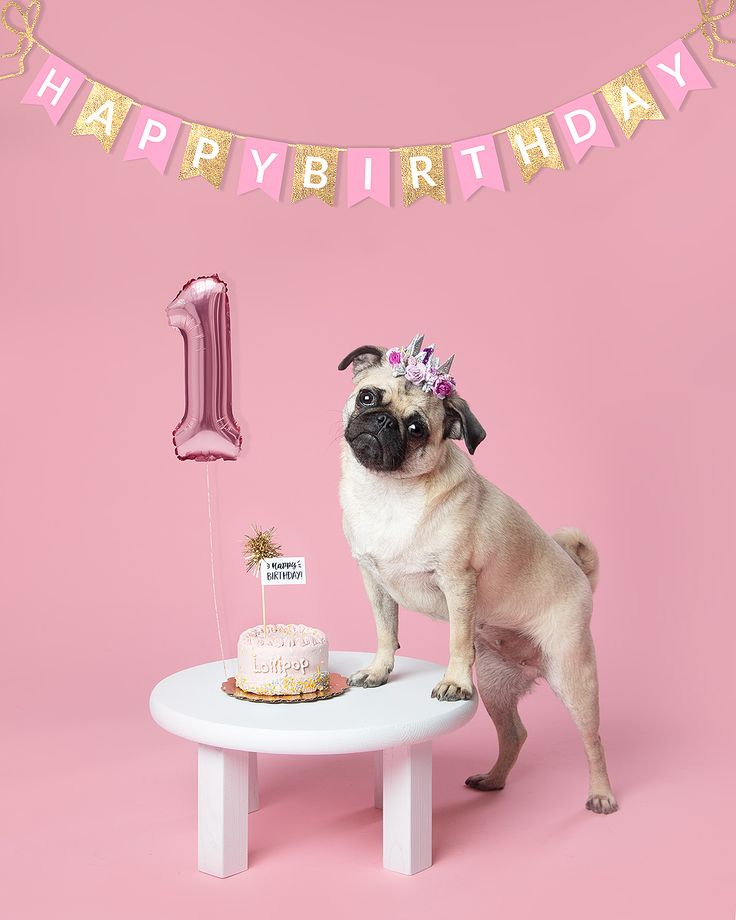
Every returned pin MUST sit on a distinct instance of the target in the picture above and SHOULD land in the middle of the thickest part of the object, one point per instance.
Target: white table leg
(407, 808)
(378, 779)
(254, 802)
(223, 798)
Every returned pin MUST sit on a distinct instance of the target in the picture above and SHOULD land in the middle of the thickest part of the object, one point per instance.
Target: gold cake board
(338, 684)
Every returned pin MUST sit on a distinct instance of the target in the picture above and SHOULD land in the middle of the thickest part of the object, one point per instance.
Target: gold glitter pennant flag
(422, 173)
(206, 154)
(534, 146)
(103, 115)
(315, 173)
(631, 102)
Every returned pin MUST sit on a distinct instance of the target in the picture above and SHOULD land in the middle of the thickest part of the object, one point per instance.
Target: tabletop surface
(191, 704)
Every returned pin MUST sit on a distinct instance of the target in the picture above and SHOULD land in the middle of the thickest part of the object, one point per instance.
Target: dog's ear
(461, 423)
(362, 358)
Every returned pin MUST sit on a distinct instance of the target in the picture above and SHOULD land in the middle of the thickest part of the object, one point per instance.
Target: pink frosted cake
(282, 660)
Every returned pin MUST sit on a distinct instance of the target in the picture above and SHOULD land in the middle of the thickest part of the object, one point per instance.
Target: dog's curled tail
(580, 547)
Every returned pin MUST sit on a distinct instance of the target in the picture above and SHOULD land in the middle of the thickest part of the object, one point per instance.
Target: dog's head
(394, 426)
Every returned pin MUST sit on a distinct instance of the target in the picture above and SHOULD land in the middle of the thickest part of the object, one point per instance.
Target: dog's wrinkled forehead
(397, 393)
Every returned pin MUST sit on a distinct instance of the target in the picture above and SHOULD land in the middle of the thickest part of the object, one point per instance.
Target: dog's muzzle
(376, 440)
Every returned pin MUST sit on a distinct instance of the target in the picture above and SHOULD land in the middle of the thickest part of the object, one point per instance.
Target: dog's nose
(384, 421)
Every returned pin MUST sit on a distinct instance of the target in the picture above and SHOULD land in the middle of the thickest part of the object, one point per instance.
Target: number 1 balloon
(208, 430)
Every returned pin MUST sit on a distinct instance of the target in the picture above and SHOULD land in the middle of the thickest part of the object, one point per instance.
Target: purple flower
(394, 356)
(415, 372)
(443, 385)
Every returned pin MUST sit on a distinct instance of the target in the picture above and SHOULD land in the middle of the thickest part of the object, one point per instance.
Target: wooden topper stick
(256, 549)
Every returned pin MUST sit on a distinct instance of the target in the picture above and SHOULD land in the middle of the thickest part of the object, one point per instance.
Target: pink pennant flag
(153, 137)
(677, 72)
(54, 87)
(262, 167)
(369, 175)
(582, 124)
(476, 162)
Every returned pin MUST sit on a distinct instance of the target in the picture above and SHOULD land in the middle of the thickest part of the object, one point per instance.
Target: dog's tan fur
(436, 537)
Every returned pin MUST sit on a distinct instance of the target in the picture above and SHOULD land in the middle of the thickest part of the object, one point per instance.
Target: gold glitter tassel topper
(259, 547)
(255, 549)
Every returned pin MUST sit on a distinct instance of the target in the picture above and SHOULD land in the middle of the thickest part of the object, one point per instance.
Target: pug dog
(430, 534)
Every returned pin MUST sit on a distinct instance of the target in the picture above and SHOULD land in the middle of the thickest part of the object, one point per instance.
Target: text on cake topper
(283, 570)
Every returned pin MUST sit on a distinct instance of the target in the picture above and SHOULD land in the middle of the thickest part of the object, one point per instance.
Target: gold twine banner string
(707, 26)
(709, 29)
(25, 40)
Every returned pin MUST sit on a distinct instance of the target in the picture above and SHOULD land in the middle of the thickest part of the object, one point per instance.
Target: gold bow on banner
(25, 40)
(709, 30)
(316, 167)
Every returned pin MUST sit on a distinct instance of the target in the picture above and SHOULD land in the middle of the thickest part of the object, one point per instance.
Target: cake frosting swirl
(282, 659)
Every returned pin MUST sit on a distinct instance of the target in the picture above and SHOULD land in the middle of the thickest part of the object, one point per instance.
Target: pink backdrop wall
(592, 317)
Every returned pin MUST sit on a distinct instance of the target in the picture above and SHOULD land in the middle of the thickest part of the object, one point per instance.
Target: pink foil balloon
(208, 431)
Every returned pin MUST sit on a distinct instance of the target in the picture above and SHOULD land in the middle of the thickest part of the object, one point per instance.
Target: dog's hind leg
(500, 683)
(571, 672)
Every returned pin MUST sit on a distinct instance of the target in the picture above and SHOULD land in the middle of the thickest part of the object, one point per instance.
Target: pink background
(592, 316)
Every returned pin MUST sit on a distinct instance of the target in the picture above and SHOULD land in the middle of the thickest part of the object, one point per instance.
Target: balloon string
(212, 569)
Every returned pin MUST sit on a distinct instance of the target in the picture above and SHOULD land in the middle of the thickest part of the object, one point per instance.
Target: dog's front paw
(486, 782)
(604, 804)
(368, 677)
(448, 690)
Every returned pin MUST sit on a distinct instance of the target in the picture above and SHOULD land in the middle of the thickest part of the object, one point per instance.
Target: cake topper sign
(283, 570)
(263, 555)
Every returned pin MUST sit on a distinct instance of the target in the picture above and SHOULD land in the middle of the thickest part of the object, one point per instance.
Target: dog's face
(393, 426)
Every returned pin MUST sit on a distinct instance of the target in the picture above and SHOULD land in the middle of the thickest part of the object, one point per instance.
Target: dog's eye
(366, 398)
(416, 430)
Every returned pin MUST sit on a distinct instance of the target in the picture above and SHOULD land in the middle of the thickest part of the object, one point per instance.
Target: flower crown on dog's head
(421, 367)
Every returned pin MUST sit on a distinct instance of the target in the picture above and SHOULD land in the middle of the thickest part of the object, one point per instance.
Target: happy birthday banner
(673, 70)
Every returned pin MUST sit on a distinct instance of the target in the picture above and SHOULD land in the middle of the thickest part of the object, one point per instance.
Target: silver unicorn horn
(416, 344)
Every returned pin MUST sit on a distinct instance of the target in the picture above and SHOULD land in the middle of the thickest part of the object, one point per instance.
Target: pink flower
(443, 385)
(394, 356)
(415, 373)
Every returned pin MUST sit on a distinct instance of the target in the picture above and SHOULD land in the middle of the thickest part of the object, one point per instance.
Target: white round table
(397, 721)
